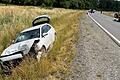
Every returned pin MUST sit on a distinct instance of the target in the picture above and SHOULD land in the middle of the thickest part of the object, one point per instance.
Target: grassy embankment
(109, 13)
(55, 66)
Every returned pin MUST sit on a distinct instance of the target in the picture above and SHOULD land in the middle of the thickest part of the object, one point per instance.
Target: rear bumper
(11, 56)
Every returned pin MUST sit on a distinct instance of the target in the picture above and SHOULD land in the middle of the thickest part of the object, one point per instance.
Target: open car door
(41, 20)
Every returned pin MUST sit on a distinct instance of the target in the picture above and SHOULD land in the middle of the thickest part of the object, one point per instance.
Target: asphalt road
(98, 56)
(108, 23)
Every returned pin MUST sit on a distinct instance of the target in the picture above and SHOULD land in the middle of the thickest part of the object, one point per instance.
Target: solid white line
(113, 37)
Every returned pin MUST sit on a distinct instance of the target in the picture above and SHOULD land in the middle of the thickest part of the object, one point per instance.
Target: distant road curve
(106, 23)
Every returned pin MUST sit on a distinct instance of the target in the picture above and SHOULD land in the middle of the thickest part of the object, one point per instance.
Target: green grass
(56, 65)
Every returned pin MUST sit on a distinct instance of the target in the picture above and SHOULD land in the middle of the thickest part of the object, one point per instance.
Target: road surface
(108, 23)
(98, 56)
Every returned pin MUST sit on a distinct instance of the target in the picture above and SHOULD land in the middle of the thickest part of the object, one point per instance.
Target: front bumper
(11, 56)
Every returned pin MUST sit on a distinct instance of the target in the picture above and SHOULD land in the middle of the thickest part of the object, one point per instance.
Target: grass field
(56, 65)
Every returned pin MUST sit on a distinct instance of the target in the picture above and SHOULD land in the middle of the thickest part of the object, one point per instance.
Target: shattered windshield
(28, 35)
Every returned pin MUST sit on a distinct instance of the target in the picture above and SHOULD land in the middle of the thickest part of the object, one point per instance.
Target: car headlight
(23, 47)
(7, 52)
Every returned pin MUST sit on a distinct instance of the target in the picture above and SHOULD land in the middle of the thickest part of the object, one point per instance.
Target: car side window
(45, 28)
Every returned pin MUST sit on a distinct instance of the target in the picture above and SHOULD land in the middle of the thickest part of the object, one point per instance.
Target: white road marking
(113, 37)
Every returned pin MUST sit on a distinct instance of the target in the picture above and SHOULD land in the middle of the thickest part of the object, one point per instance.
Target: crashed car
(33, 41)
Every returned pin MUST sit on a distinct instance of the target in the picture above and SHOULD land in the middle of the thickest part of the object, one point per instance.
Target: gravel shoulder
(98, 57)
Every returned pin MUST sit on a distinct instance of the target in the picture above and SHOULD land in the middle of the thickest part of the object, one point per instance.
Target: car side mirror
(44, 34)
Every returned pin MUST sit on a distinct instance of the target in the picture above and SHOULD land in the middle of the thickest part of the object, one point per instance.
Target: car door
(46, 35)
(53, 33)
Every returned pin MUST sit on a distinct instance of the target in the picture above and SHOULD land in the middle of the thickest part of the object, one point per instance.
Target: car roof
(34, 27)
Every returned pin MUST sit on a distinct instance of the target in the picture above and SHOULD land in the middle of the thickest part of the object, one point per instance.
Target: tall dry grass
(56, 65)
(111, 14)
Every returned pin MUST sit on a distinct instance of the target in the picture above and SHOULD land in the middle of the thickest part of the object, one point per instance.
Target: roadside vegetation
(111, 14)
(56, 65)
(105, 5)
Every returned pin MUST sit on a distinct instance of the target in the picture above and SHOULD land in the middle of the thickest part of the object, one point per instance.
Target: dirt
(98, 56)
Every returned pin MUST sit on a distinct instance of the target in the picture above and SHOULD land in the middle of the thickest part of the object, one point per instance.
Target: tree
(48, 2)
(6, 1)
(73, 4)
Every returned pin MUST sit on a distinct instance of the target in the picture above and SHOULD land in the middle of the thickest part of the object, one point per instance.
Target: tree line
(109, 5)
(112, 5)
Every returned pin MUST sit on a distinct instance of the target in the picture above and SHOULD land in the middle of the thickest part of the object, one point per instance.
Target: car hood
(20, 46)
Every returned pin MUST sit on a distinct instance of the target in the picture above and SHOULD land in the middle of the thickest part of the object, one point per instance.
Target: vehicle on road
(31, 42)
(91, 11)
(117, 17)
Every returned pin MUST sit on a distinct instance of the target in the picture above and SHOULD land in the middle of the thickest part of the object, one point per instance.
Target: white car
(32, 41)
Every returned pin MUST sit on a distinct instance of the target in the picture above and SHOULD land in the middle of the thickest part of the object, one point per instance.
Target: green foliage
(112, 5)
(72, 4)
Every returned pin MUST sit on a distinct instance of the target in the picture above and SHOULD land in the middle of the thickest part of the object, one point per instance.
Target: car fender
(39, 45)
